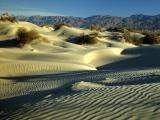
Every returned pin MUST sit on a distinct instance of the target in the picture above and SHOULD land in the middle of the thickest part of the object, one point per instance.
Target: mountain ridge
(136, 21)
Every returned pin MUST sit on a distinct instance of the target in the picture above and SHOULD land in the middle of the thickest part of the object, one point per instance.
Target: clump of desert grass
(95, 28)
(132, 39)
(6, 17)
(45, 25)
(25, 37)
(115, 36)
(151, 38)
(90, 39)
(94, 34)
(60, 25)
(116, 29)
(126, 35)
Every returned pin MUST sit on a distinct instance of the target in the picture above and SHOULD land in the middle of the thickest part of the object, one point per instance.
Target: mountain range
(138, 21)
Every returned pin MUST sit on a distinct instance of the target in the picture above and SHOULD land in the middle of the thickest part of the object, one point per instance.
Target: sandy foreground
(57, 79)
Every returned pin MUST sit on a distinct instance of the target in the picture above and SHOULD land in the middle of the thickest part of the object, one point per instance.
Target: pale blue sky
(81, 8)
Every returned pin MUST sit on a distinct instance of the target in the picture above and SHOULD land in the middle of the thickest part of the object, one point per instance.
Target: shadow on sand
(8, 43)
(142, 61)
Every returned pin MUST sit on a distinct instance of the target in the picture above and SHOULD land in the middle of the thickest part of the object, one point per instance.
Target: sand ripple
(123, 97)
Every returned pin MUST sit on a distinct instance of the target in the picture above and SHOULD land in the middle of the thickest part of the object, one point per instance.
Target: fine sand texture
(55, 77)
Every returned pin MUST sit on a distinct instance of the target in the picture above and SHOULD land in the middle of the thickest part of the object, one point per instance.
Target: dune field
(59, 77)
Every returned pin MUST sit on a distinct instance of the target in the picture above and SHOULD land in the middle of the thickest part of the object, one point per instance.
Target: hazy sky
(82, 8)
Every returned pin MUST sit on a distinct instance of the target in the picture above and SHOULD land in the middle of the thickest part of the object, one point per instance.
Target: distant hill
(135, 21)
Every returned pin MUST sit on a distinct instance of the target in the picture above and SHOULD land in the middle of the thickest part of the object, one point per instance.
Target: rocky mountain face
(134, 21)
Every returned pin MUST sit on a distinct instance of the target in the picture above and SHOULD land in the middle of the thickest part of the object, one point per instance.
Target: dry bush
(45, 25)
(87, 39)
(115, 36)
(25, 37)
(58, 26)
(95, 27)
(5, 17)
(157, 32)
(150, 38)
(116, 29)
(95, 34)
(132, 39)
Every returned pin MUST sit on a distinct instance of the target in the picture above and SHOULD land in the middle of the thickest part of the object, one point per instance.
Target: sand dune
(56, 79)
(101, 57)
(120, 99)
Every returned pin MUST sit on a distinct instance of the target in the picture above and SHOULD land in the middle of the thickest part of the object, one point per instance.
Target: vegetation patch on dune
(59, 26)
(5, 17)
(87, 39)
(116, 29)
(126, 35)
(151, 38)
(132, 39)
(95, 27)
(25, 37)
(115, 36)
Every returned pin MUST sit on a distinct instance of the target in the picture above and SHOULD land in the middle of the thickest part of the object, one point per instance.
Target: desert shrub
(116, 29)
(87, 39)
(5, 17)
(45, 25)
(131, 39)
(157, 32)
(58, 26)
(95, 27)
(25, 37)
(150, 38)
(115, 36)
(95, 34)
(126, 36)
